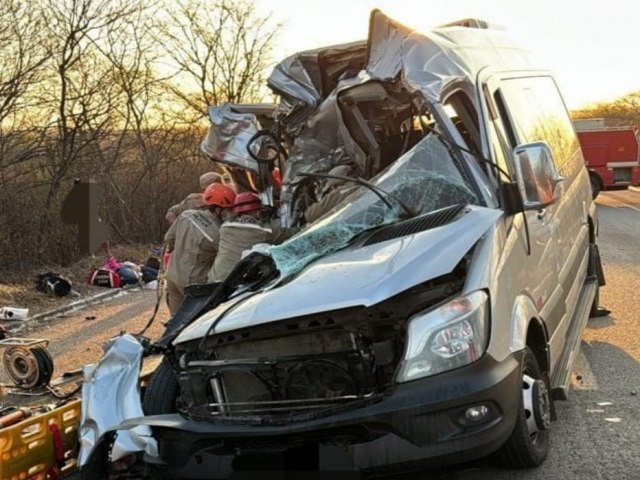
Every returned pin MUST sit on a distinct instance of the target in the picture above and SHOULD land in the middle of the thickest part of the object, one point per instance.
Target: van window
(497, 132)
(464, 117)
(537, 113)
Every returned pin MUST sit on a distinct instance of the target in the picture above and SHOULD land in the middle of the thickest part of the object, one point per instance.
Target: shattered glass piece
(301, 251)
(425, 179)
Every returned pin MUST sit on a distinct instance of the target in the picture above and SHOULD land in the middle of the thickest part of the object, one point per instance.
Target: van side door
(539, 114)
(511, 121)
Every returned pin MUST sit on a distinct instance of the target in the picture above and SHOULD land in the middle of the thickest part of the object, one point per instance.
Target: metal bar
(224, 363)
(302, 401)
(217, 393)
(23, 342)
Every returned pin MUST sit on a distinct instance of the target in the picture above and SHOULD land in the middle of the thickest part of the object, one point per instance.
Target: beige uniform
(236, 236)
(193, 238)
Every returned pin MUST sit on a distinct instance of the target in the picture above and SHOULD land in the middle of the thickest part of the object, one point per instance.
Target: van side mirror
(537, 177)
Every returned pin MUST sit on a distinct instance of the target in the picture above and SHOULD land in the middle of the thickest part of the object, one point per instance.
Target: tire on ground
(519, 451)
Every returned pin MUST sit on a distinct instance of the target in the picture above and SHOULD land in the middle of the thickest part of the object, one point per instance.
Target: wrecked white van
(432, 314)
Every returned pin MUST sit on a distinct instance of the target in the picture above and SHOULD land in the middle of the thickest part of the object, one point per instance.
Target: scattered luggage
(53, 284)
(101, 277)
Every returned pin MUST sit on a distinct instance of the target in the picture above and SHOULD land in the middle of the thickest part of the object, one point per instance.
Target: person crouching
(246, 229)
(193, 240)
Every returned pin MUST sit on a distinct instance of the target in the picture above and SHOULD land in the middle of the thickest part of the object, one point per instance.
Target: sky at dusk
(591, 46)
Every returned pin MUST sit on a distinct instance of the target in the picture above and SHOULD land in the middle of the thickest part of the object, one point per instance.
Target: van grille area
(279, 380)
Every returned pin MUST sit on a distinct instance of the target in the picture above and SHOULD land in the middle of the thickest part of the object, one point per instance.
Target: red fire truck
(612, 154)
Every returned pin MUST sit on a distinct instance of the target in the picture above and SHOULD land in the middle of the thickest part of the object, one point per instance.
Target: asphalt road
(597, 435)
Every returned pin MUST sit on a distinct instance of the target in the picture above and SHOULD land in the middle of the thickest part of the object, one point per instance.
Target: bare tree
(83, 88)
(85, 91)
(221, 51)
(21, 52)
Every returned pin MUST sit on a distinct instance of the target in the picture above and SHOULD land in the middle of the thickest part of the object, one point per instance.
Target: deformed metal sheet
(229, 136)
(424, 64)
(354, 277)
(110, 395)
(308, 77)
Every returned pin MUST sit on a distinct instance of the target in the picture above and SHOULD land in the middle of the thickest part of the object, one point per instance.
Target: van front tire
(162, 392)
(528, 445)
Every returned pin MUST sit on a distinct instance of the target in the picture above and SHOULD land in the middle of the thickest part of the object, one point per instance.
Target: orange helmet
(219, 195)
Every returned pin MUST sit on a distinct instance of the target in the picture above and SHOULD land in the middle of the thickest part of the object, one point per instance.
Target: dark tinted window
(537, 113)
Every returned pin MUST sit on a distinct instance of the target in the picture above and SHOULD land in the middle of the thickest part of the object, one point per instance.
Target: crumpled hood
(361, 276)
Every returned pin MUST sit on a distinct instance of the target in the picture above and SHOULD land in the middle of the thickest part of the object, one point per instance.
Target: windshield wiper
(381, 193)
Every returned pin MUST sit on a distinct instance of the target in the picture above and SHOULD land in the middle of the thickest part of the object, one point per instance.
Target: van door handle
(542, 213)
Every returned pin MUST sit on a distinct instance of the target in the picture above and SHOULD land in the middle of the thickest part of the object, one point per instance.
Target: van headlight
(451, 336)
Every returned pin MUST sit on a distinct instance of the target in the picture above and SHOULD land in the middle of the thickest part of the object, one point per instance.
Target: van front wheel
(528, 444)
(162, 392)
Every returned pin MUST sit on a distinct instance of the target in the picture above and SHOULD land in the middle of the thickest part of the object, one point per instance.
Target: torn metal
(230, 135)
(110, 395)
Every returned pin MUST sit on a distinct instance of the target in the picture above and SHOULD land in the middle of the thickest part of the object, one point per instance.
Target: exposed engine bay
(305, 367)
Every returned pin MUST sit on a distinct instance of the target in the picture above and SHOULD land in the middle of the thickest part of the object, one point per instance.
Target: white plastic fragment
(13, 313)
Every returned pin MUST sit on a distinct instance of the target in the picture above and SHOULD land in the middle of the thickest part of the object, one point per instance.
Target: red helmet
(219, 195)
(247, 202)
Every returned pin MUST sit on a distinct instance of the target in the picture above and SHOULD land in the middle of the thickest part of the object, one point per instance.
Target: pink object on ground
(111, 264)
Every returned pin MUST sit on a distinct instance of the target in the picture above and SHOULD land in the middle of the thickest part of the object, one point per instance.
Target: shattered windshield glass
(425, 179)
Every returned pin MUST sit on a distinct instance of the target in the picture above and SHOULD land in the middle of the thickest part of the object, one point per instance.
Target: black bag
(53, 283)
(149, 274)
(152, 262)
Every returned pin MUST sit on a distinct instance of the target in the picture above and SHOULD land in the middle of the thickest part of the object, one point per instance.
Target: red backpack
(101, 277)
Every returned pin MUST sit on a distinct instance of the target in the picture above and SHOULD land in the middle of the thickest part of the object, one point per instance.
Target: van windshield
(425, 179)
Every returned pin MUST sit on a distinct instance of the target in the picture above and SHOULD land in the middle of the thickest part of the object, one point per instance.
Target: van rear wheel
(528, 444)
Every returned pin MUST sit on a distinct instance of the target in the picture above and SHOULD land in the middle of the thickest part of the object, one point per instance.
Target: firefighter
(249, 227)
(193, 240)
(194, 200)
